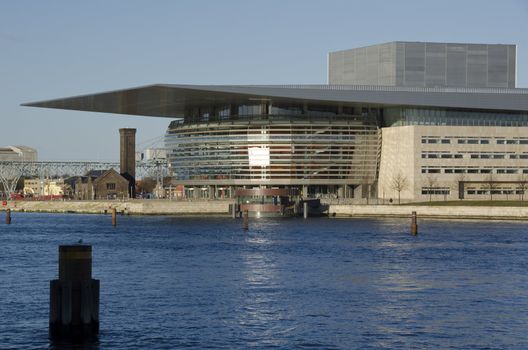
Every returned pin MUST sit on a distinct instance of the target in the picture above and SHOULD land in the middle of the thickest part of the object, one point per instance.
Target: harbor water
(205, 283)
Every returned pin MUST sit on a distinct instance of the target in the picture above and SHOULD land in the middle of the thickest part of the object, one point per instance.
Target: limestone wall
(453, 212)
(161, 207)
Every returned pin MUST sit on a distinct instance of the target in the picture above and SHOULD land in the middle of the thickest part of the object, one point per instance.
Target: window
(484, 142)
(446, 141)
(110, 186)
(472, 142)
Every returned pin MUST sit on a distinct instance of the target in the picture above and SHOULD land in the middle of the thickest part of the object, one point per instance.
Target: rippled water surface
(169, 283)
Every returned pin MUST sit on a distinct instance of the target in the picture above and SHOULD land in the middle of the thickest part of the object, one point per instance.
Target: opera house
(415, 120)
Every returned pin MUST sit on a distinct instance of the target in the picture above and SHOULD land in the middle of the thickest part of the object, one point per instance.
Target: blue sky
(52, 49)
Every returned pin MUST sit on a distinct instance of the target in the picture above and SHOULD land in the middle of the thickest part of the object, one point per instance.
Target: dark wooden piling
(8, 216)
(114, 216)
(74, 297)
(246, 220)
(414, 224)
(305, 210)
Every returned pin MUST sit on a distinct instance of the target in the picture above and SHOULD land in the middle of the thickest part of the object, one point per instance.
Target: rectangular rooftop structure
(426, 64)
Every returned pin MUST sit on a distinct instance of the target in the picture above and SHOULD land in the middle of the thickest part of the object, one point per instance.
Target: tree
(399, 183)
(490, 184)
(522, 185)
(456, 184)
(430, 182)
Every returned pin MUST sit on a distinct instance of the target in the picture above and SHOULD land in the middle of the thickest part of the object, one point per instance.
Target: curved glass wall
(275, 149)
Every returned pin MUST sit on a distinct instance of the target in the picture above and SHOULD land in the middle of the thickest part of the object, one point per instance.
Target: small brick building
(110, 185)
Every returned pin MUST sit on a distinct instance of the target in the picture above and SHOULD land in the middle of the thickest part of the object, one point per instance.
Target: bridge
(12, 171)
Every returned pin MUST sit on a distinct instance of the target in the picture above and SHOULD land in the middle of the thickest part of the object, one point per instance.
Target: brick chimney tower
(127, 158)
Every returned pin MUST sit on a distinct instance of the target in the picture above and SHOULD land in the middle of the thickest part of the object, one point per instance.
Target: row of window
(487, 192)
(426, 170)
(447, 191)
(474, 141)
(427, 155)
(436, 190)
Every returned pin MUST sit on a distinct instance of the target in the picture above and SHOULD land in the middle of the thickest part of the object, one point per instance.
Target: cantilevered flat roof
(171, 101)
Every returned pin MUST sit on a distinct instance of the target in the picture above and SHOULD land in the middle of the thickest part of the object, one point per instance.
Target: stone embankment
(424, 211)
(221, 208)
(136, 207)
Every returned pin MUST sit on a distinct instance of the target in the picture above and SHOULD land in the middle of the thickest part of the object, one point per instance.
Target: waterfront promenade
(221, 208)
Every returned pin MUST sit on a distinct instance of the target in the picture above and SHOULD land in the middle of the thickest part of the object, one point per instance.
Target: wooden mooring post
(74, 297)
(114, 216)
(414, 224)
(245, 223)
(8, 216)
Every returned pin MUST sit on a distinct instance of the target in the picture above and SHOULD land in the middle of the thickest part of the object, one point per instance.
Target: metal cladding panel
(336, 67)
(414, 64)
(435, 62)
(456, 65)
(512, 66)
(400, 63)
(427, 64)
(387, 64)
(371, 65)
(498, 66)
(477, 62)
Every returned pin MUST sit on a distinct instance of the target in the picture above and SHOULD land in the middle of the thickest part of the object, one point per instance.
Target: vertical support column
(8, 216)
(414, 224)
(74, 297)
(234, 210)
(114, 216)
(246, 220)
(305, 210)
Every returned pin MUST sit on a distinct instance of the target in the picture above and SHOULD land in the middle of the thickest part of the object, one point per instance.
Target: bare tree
(430, 182)
(399, 183)
(490, 184)
(522, 184)
(456, 183)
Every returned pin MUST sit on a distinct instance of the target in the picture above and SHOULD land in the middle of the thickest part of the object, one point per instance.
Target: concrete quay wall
(451, 212)
(221, 208)
(138, 207)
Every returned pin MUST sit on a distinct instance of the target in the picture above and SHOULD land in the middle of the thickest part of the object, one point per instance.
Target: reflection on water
(319, 283)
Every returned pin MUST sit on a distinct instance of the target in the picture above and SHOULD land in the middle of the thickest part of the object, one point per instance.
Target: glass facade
(441, 116)
(266, 144)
